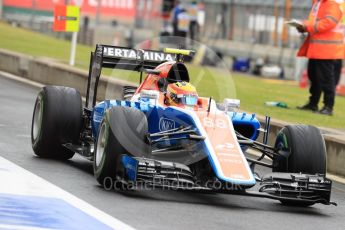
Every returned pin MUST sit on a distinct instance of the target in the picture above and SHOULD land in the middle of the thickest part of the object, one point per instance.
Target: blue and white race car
(162, 134)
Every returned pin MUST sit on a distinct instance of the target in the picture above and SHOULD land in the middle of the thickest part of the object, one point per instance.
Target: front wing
(286, 187)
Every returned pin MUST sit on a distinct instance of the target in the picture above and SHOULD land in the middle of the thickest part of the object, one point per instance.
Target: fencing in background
(255, 21)
(251, 21)
(256, 27)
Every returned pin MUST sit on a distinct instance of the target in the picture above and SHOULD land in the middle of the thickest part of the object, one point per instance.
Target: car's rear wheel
(123, 131)
(57, 119)
(305, 152)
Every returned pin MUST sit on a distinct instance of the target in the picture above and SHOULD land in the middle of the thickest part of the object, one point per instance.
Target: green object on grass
(276, 104)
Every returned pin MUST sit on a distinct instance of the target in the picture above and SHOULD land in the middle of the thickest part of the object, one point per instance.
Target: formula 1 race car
(162, 134)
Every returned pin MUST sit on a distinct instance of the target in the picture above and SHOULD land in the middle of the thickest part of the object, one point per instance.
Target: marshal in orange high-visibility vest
(325, 36)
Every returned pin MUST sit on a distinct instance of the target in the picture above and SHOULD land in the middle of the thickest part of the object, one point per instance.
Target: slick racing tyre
(305, 153)
(305, 148)
(123, 131)
(57, 119)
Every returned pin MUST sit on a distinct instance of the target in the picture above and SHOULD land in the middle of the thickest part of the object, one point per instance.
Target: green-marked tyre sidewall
(305, 150)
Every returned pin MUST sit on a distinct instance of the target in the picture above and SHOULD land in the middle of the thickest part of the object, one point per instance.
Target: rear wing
(116, 57)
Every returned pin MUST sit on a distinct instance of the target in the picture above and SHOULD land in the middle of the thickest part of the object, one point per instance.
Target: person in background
(174, 14)
(183, 21)
(323, 46)
(193, 16)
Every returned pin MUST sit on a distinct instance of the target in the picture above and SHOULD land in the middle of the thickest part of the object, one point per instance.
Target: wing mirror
(231, 105)
(149, 94)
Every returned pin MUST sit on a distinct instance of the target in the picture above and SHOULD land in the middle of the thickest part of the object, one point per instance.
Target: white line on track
(19, 181)
(23, 135)
(19, 227)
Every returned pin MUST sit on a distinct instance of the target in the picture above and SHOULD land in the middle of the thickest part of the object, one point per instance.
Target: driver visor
(189, 100)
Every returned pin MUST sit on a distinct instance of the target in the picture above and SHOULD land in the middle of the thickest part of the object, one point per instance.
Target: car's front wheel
(305, 148)
(123, 131)
(305, 152)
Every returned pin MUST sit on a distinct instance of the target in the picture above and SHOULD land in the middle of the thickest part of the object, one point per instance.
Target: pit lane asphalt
(151, 209)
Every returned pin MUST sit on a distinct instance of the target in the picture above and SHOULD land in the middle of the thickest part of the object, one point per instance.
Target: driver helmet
(181, 93)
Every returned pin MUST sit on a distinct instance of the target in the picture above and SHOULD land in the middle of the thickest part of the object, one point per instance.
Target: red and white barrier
(340, 90)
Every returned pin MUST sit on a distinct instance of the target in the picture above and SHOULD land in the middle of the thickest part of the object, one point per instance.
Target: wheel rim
(100, 144)
(37, 123)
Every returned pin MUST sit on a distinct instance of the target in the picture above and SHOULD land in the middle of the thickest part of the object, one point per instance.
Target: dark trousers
(322, 78)
(182, 40)
(337, 70)
(175, 29)
(193, 29)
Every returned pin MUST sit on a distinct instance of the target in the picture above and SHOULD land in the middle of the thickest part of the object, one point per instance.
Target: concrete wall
(14, 62)
(335, 154)
(48, 72)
